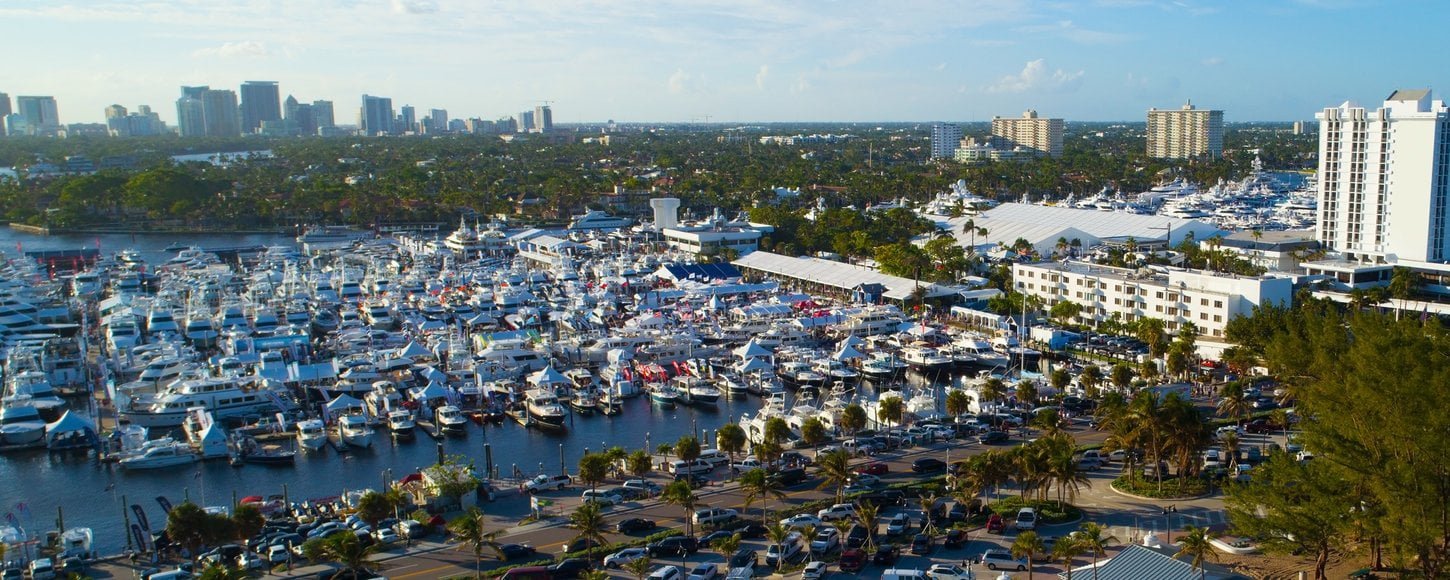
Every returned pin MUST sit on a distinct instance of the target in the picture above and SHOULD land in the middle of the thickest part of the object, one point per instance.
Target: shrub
(1137, 485)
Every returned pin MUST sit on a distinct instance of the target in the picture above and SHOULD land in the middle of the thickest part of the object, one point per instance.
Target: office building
(525, 122)
(298, 118)
(4, 111)
(1384, 179)
(1043, 136)
(438, 120)
(260, 102)
(120, 123)
(115, 112)
(40, 114)
(376, 116)
(408, 120)
(543, 119)
(1209, 300)
(944, 140)
(190, 113)
(322, 114)
(223, 118)
(1185, 133)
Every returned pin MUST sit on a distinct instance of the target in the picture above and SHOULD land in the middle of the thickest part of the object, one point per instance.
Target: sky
(734, 60)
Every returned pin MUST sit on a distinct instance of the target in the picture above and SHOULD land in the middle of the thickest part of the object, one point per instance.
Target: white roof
(1040, 224)
(836, 274)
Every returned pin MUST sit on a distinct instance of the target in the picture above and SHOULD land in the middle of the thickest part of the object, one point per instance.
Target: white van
(903, 574)
(714, 457)
(689, 467)
(667, 573)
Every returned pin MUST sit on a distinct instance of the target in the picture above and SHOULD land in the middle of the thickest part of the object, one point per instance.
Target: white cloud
(761, 75)
(1035, 77)
(1071, 31)
(1213, 61)
(801, 85)
(414, 7)
(243, 49)
(940, 66)
(682, 82)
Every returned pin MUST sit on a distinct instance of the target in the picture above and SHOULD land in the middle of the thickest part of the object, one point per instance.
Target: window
(1217, 318)
(1218, 304)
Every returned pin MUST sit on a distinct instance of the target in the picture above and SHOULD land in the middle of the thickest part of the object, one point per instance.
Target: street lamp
(561, 460)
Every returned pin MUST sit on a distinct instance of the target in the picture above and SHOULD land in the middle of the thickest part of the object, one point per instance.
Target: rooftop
(837, 274)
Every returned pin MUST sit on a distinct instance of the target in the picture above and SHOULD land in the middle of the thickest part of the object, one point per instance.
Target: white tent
(852, 340)
(70, 430)
(481, 319)
(847, 352)
(752, 349)
(547, 377)
(413, 350)
(755, 364)
(340, 405)
(432, 391)
(618, 354)
(432, 374)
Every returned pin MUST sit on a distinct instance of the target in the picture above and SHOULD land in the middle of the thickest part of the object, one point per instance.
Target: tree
(372, 508)
(687, 448)
(593, 469)
(776, 535)
(767, 452)
(1027, 393)
(757, 485)
(813, 431)
(776, 430)
(868, 514)
(1059, 380)
(1093, 537)
(993, 389)
(1027, 545)
(453, 477)
(889, 409)
(640, 567)
(1065, 550)
(639, 463)
(679, 493)
(1122, 376)
(616, 456)
(1090, 377)
(731, 439)
(588, 520)
(187, 524)
(248, 521)
(1233, 403)
(727, 545)
(470, 531)
(1294, 508)
(1065, 311)
(1153, 332)
(853, 419)
(344, 548)
(216, 571)
(834, 467)
(1194, 544)
(958, 403)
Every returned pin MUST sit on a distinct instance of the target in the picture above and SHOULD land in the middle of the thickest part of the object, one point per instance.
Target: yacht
(883, 366)
(34, 388)
(225, 397)
(200, 332)
(870, 321)
(353, 429)
(232, 317)
(836, 371)
(925, 359)
(800, 374)
(378, 315)
(160, 453)
(311, 434)
(544, 408)
(598, 220)
(21, 425)
(162, 369)
(696, 391)
(982, 353)
(664, 394)
(400, 423)
(161, 322)
(450, 420)
(321, 238)
(734, 386)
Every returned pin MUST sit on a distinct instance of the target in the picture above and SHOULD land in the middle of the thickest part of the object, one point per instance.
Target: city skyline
(1105, 60)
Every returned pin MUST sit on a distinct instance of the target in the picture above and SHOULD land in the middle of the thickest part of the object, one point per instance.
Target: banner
(141, 539)
(141, 517)
(165, 503)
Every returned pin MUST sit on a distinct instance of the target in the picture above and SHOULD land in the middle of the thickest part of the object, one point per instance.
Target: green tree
(1294, 508)
(993, 390)
(731, 439)
(1153, 332)
(593, 469)
(889, 409)
(1090, 377)
(958, 403)
(373, 507)
(1027, 393)
(853, 419)
(834, 468)
(776, 534)
(639, 463)
(187, 524)
(1065, 311)
(679, 493)
(727, 545)
(1194, 545)
(1094, 539)
(869, 515)
(1066, 549)
(757, 485)
(471, 531)
(640, 567)
(687, 448)
(344, 548)
(1122, 376)
(215, 571)
(452, 478)
(776, 430)
(1027, 545)
(248, 521)
(588, 521)
(1233, 403)
(813, 432)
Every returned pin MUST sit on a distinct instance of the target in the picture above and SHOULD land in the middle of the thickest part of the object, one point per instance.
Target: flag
(165, 503)
(10, 517)
(23, 509)
(141, 517)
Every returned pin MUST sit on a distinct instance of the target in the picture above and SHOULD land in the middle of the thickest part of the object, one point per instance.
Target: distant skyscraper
(220, 110)
(438, 120)
(1384, 180)
(1032, 132)
(301, 118)
(190, 113)
(525, 122)
(40, 113)
(260, 102)
(4, 111)
(115, 112)
(944, 140)
(376, 116)
(1185, 133)
(322, 114)
(543, 119)
(410, 119)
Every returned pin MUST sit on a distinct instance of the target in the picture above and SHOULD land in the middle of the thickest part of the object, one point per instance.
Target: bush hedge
(1137, 485)
(1050, 512)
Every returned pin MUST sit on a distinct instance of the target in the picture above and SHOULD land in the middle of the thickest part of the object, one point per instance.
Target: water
(222, 159)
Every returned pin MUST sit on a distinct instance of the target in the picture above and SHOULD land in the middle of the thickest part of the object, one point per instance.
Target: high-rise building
(115, 112)
(4, 111)
(438, 120)
(141, 123)
(40, 113)
(376, 116)
(223, 119)
(1185, 133)
(1032, 132)
(300, 118)
(543, 119)
(322, 114)
(525, 122)
(261, 101)
(944, 140)
(1384, 179)
(409, 117)
(190, 113)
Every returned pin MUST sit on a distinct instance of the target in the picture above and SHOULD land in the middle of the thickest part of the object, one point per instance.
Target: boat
(734, 387)
(75, 543)
(401, 423)
(21, 425)
(249, 450)
(585, 400)
(354, 431)
(311, 434)
(227, 397)
(663, 394)
(450, 420)
(598, 220)
(160, 454)
(925, 359)
(543, 408)
(696, 391)
(321, 238)
(883, 366)
(800, 374)
(200, 332)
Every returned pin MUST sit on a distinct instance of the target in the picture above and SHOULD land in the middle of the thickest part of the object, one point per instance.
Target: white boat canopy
(752, 349)
(755, 364)
(847, 352)
(548, 376)
(414, 350)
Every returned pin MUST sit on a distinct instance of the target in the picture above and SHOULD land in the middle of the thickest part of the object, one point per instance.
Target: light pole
(561, 460)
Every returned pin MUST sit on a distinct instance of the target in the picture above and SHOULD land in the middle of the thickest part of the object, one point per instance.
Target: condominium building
(543, 119)
(261, 101)
(1384, 179)
(1176, 296)
(190, 114)
(1185, 133)
(223, 119)
(1031, 132)
(944, 140)
(376, 116)
(40, 114)
(4, 111)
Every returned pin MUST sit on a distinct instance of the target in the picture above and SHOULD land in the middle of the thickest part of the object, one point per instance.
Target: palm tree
(372, 508)
(730, 439)
(588, 520)
(757, 485)
(217, 571)
(186, 524)
(1122, 376)
(777, 534)
(616, 456)
(928, 501)
(993, 389)
(777, 430)
(687, 448)
(593, 468)
(469, 529)
(1230, 442)
(868, 513)
(1067, 549)
(1090, 377)
(813, 432)
(1185, 434)
(1027, 545)
(344, 548)
(1194, 544)
(640, 567)
(1065, 471)
(853, 419)
(679, 493)
(1091, 535)
(593, 575)
(1027, 393)
(727, 546)
(639, 463)
(889, 409)
(958, 403)
(1232, 402)
(834, 468)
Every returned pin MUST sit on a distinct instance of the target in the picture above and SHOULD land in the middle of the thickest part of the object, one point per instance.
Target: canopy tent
(548, 376)
(752, 349)
(481, 319)
(341, 405)
(430, 392)
(413, 350)
(756, 364)
(70, 430)
(853, 340)
(847, 352)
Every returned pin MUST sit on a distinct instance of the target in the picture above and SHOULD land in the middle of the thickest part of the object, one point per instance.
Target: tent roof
(433, 390)
(755, 364)
(838, 275)
(847, 352)
(69, 422)
(752, 349)
(344, 402)
(548, 376)
(413, 350)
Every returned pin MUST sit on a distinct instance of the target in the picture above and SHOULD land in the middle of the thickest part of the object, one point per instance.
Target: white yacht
(883, 365)
(401, 423)
(160, 453)
(161, 322)
(353, 429)
(981, 352)
(21, 425)
(544, 408)
(450, 420)
(598, 220)
(225, 397)
(311, 434)
(200, 332)
(378, 315)
(321, 238)
(925, 358)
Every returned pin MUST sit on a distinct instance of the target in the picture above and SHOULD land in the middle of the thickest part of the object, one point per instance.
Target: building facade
(190, 114)
(1383, 191)
(223, 119)
(1032, 132)
(1176, 296)
(376, 116)
(5, 111)
(408, 119)
(40, 114)
(1185, 133)
(261, 101)
(543, 119)
(944, 140)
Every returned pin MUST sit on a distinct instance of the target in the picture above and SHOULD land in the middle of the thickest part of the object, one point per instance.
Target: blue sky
(734, 60)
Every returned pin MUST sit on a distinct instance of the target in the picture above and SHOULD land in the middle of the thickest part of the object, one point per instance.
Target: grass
(1051, 512)
(1137, 485)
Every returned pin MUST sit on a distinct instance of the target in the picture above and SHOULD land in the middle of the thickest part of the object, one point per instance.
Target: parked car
(886, 555)
(625, 556)
(667, 573)
(826, 540)
(852, 560)
(600, 497)
(706, 571)
(1002, 560)
(856, 536)
(516, 551)
(1026, 519)
(995, 525)
(785, 551)
(714, 516)
(874, 468)
(949, 572)
(800, 521)
(741, 558)
(674, 546)
(570, 568)
(814, 570)
(899, 524)
(993, 438)
(928, 465)
(840, 511)
(634, 525)
(955, 539)
(708, 540)
(883, 497)
(545, 482)
(921, 544)
(642, 487)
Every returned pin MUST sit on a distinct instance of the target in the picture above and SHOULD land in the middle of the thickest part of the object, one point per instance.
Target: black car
(696, 480)
(795, 458)
(993, 438)
(741, 558)
(921, 544)
(955, 539)
(886, 555)
(710, 539)
(958, 513)
(789, 477)
(928, 465)
(570, 568)
(633, 525)
(752, 531)
(516, 551)
(674, 546)
(856, 536)
(881, 498)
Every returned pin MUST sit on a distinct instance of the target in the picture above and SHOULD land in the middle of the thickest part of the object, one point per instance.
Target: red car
(853, 560)
(873, 468)
(995, 525)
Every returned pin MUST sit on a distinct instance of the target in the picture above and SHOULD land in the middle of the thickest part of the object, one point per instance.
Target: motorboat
(734, 387)
(598, 220)
(311, 434)
(200, 332)
(664, 394)
(159, 454)
(225, 397)
(353, 429)
(21, 425)
(450, 420)
(925, 359)
(543, 408)
(401, 423)
(696, 391)
(800, 374)
(883, 366)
